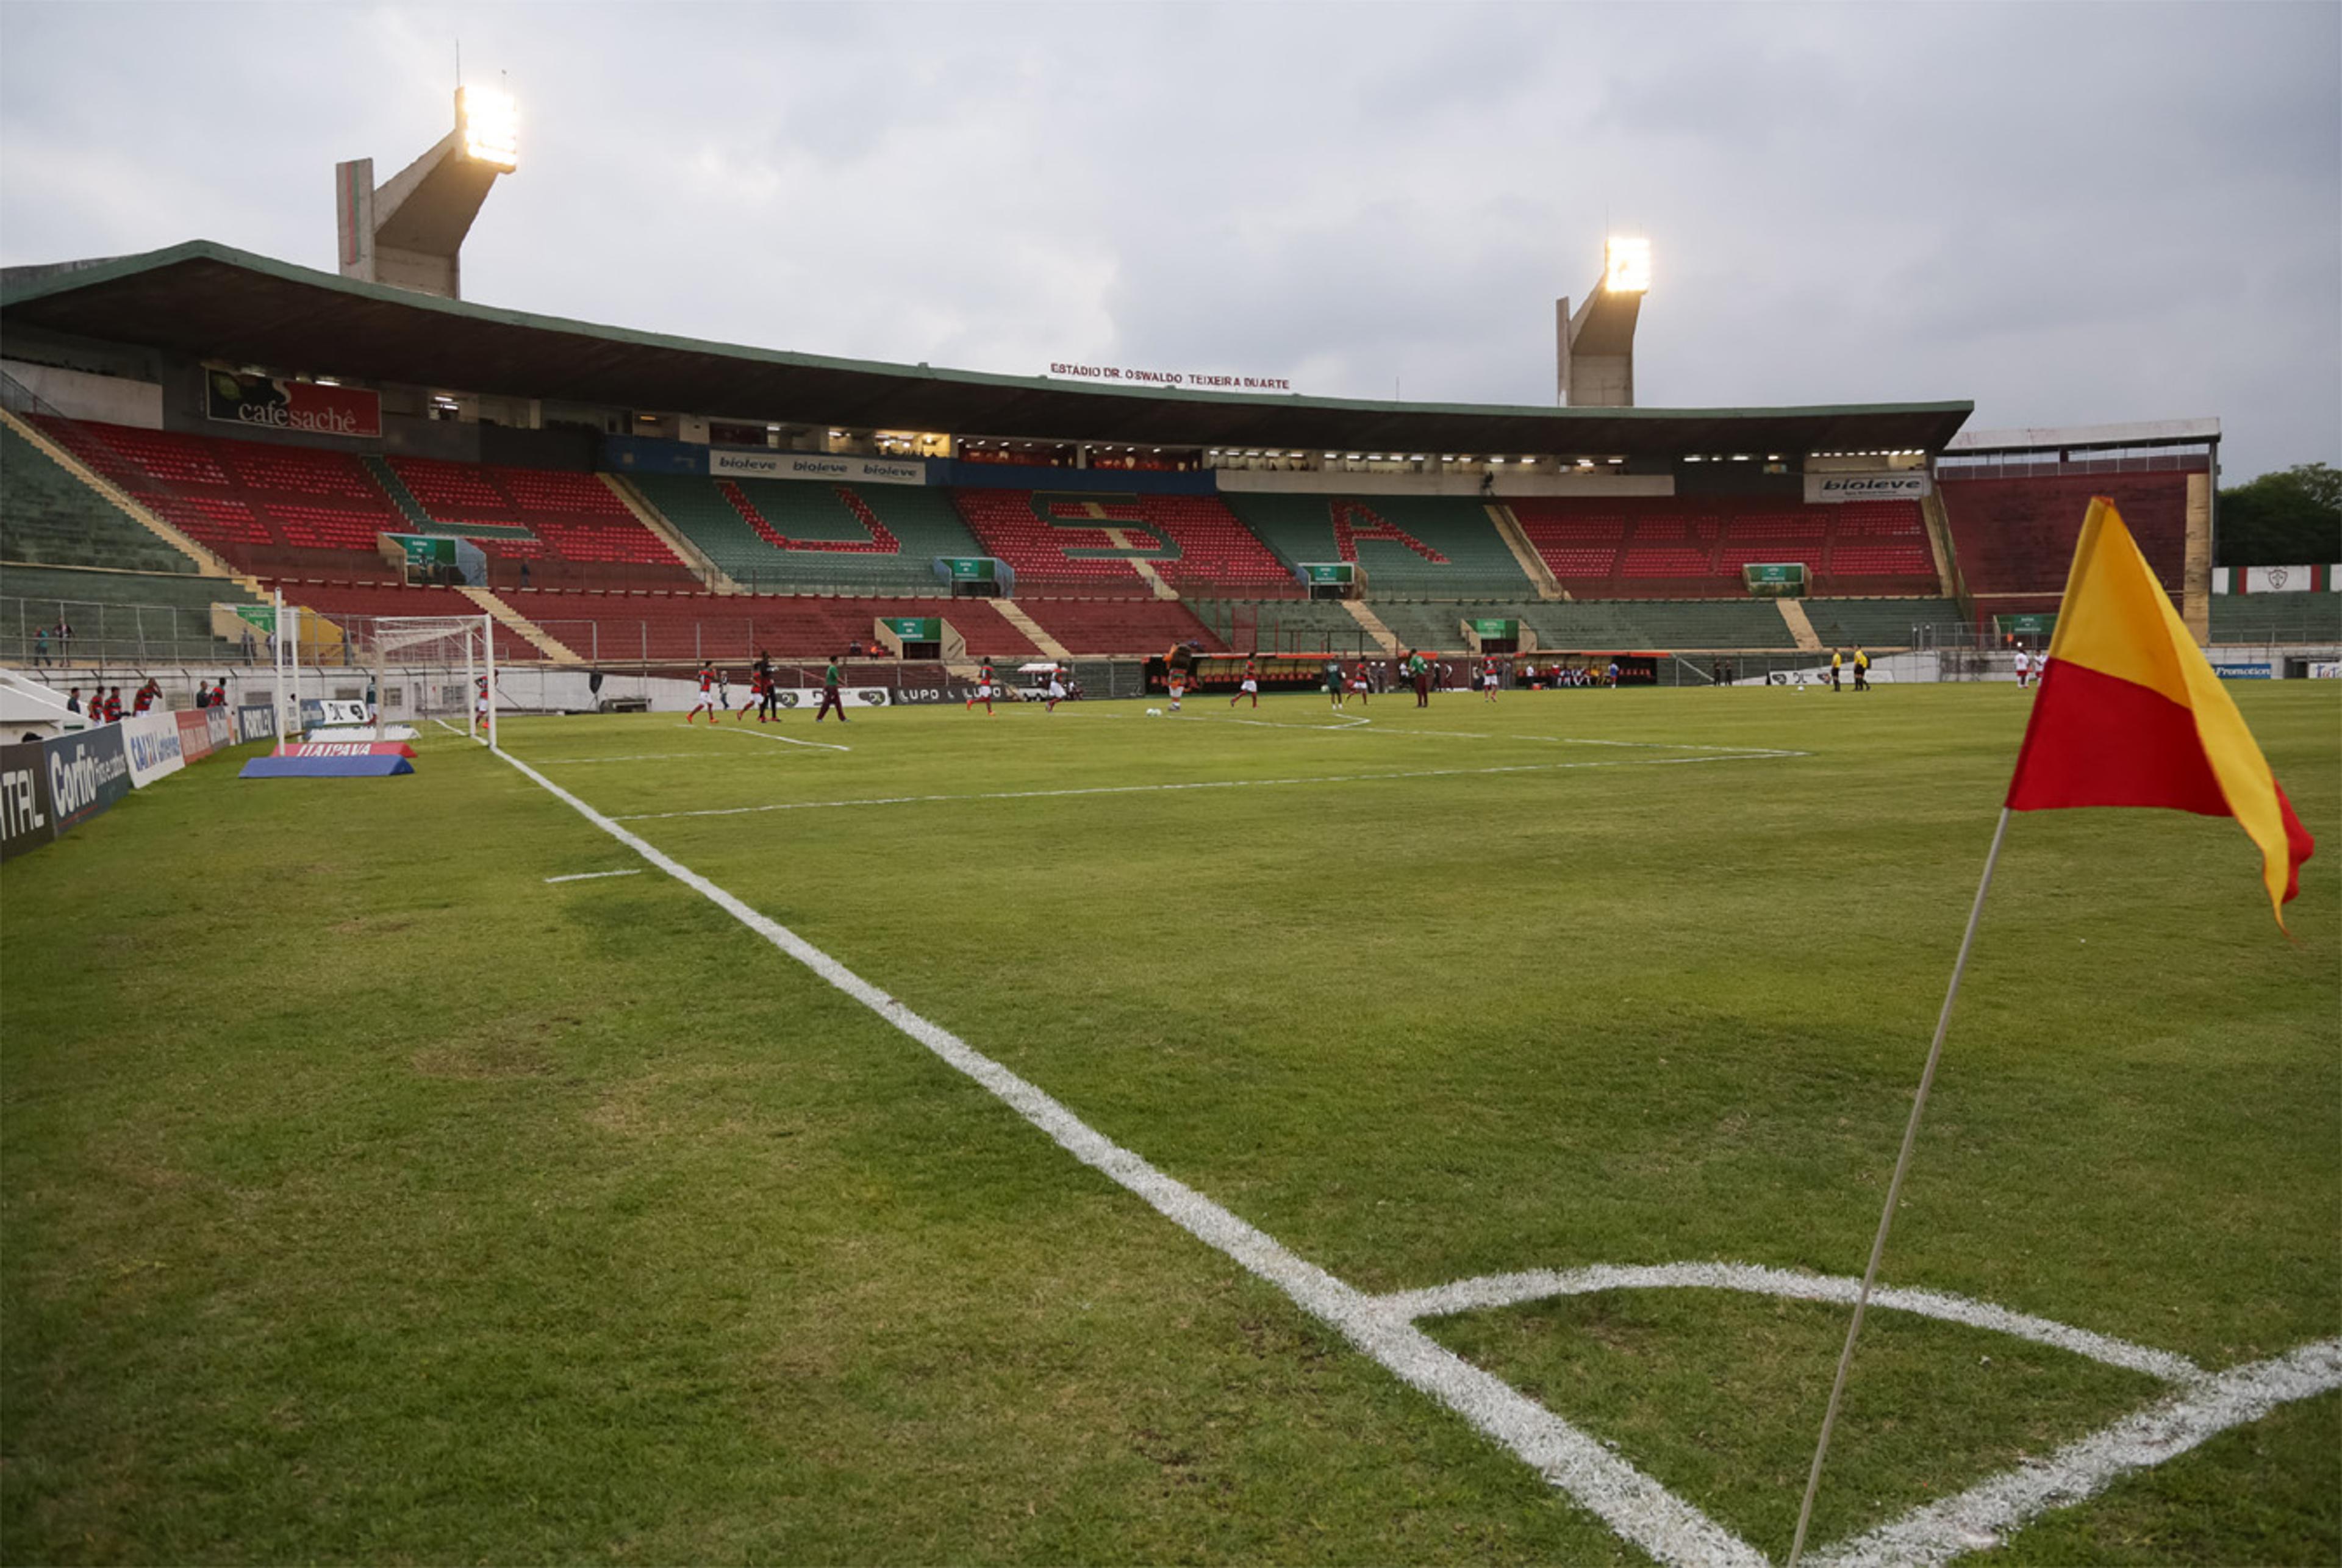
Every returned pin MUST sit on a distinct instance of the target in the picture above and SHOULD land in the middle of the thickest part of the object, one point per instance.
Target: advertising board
(153, 743)
(820, 466)
(88, 772)
(1905, 485)
(308, 406)
(25, 820)
(194, 737)
(254, 722)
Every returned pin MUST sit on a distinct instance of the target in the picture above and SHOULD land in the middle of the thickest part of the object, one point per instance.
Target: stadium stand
(277, 511)
(2276, 617)
(2015, 535)
(1880, 623)
(790, 533)
(1120, 625)
(1075, 542)
(339, 601)
(1284, 625)
(1600, 625)
(569, 526)
(613, 628)
(1681, 546)
(49, 517)
(1412, 547)
(117, 617)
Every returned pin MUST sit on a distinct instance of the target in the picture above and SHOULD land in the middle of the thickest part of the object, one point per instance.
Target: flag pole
(1894, 1189)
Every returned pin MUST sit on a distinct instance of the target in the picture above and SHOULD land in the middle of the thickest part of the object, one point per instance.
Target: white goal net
(436, 671)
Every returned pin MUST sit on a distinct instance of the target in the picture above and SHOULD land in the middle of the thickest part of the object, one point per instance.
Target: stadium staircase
(400, 495)
(1034, 633)
(1371, 624)
(698, 560)
(552, 647)
(1547, 586)
(1801, 626)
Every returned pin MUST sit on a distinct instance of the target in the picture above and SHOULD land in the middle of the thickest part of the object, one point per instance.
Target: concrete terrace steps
(207, 564)
(552, 647)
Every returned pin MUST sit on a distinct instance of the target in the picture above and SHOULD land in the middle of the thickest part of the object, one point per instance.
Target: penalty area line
(1200, 785)
(1632, 1503)
(785, 739)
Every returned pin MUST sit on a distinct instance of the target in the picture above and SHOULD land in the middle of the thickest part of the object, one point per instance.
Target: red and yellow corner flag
(2130, 714)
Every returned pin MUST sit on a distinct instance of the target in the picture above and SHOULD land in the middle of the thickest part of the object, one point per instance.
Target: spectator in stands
(524, 571)
(41, 646)
(853, 649)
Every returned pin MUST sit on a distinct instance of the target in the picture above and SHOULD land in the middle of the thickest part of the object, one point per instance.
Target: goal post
(447, 666)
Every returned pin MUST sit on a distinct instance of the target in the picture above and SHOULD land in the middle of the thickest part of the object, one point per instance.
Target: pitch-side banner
(723, 465)
(1906, 484)
(88, 772)
(254, 722)
(153, 742)
(304, 405)
(25, 819)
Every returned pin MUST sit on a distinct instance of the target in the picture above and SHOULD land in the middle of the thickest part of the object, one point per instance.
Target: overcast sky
(2071, 214)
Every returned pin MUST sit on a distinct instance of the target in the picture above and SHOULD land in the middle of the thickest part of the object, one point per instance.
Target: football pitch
(1279, 1136)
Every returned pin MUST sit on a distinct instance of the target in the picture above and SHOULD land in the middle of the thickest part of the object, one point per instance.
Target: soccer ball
(1155, 713)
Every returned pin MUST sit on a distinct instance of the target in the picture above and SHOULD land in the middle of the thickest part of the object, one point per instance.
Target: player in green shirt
(830, 678)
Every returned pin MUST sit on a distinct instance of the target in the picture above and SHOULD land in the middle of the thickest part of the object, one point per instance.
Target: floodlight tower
(407, 233)
(1594, 351)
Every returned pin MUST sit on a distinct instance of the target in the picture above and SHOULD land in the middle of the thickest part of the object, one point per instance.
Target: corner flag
(2130, 714)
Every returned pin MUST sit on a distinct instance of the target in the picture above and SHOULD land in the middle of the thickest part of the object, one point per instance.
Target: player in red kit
(983, 690)
(1489, 678)
(1250, 688)
(706, 697)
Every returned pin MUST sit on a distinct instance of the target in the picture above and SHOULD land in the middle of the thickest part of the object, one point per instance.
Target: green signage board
(1775, 579)
(2036, 625)
(1497, 628)
(976, 570)
(1331, 571)
(915, 628)
(260, 618)
(423, 550)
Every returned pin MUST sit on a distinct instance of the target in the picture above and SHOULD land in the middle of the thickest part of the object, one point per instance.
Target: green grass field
(367, 1196)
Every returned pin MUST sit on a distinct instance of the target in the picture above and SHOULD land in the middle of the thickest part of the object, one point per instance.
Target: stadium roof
(210, 301)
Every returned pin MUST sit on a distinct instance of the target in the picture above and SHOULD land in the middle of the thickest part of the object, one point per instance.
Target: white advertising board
(152, 740)
(1905, 485)
(818, 466)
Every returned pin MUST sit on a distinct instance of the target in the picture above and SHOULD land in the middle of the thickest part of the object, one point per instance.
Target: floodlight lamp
(1626, 266)
(490, 122)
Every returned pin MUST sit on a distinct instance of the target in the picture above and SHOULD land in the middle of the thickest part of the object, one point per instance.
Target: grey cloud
(2069, 213)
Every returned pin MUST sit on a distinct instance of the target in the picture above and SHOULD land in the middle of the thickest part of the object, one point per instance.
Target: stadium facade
(198, 427)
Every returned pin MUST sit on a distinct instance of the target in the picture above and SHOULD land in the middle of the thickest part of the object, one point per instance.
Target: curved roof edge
(117, 287)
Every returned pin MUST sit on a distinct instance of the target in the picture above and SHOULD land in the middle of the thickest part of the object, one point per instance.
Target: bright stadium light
(491, 126)
(1626, 266)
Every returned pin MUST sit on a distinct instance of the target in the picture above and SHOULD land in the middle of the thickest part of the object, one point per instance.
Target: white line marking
(1512, 1290)
(590, 875)
(1632, 1503)
(1983, 1514)
(785, 739)
(640, 757)
(1204, 783)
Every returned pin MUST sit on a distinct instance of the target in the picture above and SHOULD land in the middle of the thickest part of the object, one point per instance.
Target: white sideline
(590, 875)
(1631, 1502)
(1979, 1517)
(1540, 1285)
(785, 739)
(1201, 783)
